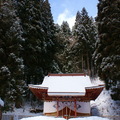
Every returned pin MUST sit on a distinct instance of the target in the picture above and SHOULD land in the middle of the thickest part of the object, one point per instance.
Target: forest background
(32, 45)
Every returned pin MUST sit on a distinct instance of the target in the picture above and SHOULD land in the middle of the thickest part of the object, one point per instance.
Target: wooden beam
(68, 74)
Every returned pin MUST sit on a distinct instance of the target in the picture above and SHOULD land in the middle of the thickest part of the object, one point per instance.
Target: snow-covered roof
(1, 102)
(66, 85)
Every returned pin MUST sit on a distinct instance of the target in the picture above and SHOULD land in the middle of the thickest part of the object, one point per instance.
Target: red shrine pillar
(75, 108)
(57, 107)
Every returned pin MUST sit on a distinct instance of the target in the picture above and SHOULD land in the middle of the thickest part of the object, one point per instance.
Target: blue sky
(66, 9)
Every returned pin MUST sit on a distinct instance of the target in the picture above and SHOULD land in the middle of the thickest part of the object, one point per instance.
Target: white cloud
(66, 16)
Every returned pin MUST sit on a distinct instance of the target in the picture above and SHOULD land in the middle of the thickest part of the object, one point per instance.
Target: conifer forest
(32, 45)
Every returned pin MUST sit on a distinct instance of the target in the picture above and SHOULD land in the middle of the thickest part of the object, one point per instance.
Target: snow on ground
(105, 106)
(1, 102)
(53, 118)
(25, 110)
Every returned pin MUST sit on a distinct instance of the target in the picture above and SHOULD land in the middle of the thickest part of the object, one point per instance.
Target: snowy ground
(105, 106)
(25, 110)
(53, 118)
(1, 102)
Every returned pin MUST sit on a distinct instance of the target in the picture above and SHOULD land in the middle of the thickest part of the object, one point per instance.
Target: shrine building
(67, 95)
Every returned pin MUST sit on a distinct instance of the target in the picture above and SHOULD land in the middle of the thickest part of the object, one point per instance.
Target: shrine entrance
(67, 112)
(67, 109)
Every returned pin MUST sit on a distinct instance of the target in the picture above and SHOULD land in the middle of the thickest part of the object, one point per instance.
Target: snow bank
(25, 110)
(105, 106)
(1, 102)
(53, 118)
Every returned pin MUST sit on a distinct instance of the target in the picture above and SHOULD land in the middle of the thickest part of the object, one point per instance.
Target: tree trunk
(82, 63)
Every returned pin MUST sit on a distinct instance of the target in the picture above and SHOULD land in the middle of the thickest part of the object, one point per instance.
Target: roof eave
(66, 93)
(37, 86)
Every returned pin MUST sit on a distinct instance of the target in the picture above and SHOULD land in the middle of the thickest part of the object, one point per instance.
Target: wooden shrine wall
(67, 107)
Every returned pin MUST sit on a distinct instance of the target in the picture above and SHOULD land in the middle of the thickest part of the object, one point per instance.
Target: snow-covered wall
(82, 107)
(49, 107)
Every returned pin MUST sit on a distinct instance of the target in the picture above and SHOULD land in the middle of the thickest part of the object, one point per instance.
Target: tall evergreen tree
(38, 26)
(107, 55)
(63, 41)
(85, 33)
(29, 11)
(65, 29)
(59, 47)
(49, 28)
(11, 63)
